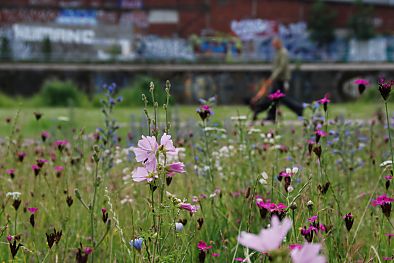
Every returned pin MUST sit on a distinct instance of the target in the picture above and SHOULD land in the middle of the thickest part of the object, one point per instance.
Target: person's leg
(296, 107)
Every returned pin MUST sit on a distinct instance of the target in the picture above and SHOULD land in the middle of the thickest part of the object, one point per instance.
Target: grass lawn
(91, 118)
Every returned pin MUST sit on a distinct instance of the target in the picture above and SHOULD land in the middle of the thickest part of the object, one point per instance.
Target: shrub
(61, 93)
(132, 94)
(6, 101)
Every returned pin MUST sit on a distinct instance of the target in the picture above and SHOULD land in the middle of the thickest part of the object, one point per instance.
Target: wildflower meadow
(313, 191)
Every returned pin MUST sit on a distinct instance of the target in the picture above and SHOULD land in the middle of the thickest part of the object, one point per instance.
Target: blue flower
(137, 243)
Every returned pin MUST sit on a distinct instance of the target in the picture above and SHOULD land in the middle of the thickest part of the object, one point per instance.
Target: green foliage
(6, 101)
(132, 95)
(5, 48)
(61, 93)
(372, 95)
(46, 48)
(320, 23)
(361, 22)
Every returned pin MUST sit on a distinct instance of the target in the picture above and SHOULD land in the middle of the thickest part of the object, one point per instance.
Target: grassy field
(227, 176)
(90, 119)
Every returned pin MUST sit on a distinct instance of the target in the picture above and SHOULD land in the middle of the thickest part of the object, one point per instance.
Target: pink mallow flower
(32, 210)
(188, 207)
(174, 168)
(141, 174)
(276, 95)
(309, 253)
(146, 152)
(268, 239)
(166, 144)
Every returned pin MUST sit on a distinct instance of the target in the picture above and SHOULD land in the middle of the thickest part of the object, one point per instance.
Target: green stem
(389, 132)
(92, 210)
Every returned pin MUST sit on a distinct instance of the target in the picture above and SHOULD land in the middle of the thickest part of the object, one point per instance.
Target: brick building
(185, 17)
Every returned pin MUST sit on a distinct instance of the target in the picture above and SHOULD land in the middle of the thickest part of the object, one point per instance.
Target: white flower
(386, 163)
(264, 178)
(294, 170)
(14, 195)
(290, 189)
(239, 118)
(178, 227)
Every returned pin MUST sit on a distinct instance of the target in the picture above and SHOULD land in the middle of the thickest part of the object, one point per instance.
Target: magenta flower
(61, 144)
(312, 219)
(88, 250)
(319, 134)
(36, 169)
(189, 207)
(239, 259)
(349, 220)
(268, 239)
(41, 162)
(204, 111)
(385, 88)
(174, 168)
(202, 246)
(276, 96)
(385, 203)
(141, 174)
(309, 253)
(44, 135)
(215, 254)
(146, 152)
(9, 238)
(295, 246)
(21, 156)
(59, 168)
(11, 172)
(32, 210)
(324, 100)
(361, 82)
(362, 85)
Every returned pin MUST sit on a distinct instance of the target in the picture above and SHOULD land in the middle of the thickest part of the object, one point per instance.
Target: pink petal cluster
(312, 219)
(141, 174)
(32, 210)
(174, 168)
(146, 153)
(271, 207)
(268, 239)
(276, 95)
(188, 207)
(361, 82)
(382, 200)
(324, 100)
(308, 253)
(202, 246)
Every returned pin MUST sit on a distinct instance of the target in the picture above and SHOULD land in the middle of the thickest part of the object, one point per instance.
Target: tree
(5, 49)
(46, 48)
(361, 22)
(320, 23)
